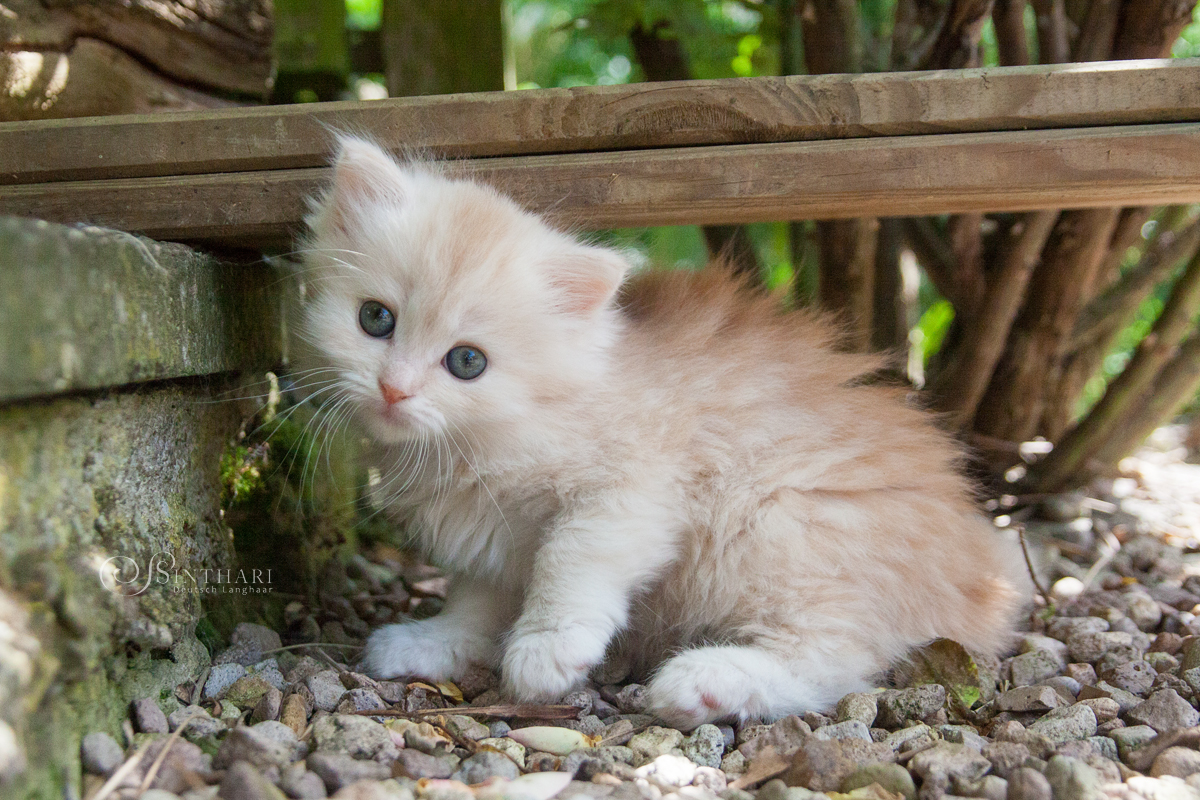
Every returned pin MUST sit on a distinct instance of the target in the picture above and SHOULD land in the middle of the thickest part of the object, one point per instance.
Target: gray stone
(1063, 628)
(88, 310)
(1091, 647)
(1131, 739)
(910, 737)
(258, 747)
(1035, 666)
(631, 699)
(1029, 698)
(654, 742)
(466, 727)
(326, 689)
(356, 736)
(943, 762)
(1028, 784)
(1105, 746)
(1065, 724)
(1178, 761)
(705, 746)
(862, 706)
(243, 782)
(1005, 757)
(484, 765)
(199, 722)
(587, 763)
(1165, 711)
(513, 749)
(298, 783)
(1072, 779)
(415, 764)
(786, 736)
(962, 734)
(1125, 700)
(268, 706)
(174, 774)
(269, 671)
(1143, 610)
(1133, 676)
(148, 717)
(917, 703)
(1105, 708)
(892, 777)
(822, 765)
(220, 678)
(337, 770)
(360, 700)
(100, 753)
(851, 729)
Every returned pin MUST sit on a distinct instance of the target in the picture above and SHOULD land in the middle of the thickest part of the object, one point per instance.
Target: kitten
(667, 465)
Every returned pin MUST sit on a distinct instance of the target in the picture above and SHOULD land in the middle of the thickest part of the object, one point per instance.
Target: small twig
(152, 773)
(118, 776)
(622, 738)
(1113, 545)
(908, 756)
(311, 644)
(1029, 566)
(459, 739)
(505, 712)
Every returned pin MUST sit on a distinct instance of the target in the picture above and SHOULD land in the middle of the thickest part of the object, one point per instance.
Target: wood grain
(885, 176)
(691, 113)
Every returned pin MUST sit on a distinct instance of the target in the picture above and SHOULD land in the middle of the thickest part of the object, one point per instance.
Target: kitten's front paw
(698, 686)
(545, 665)
(429, 649)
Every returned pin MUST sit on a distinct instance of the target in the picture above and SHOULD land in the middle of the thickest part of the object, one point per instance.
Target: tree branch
(1053, 43)
(1008, 16)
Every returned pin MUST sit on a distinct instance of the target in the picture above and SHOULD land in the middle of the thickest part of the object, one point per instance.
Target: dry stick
(1053, 47)
(1176, 384)
(1109, 313)
(622, 738)
(1126, 390)
(935, 256)
(961, 387)
(1029, 566)
(311, 644)
(152, 773)
(503, 712)
(1009, 19)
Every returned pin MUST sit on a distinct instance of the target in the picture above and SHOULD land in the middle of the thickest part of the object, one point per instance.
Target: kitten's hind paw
(699, 686)
(428, 649)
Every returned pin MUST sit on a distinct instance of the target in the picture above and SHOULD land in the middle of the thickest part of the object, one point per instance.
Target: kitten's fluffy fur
(667, 466)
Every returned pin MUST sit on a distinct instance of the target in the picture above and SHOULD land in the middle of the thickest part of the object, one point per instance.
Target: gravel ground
(1098, 699)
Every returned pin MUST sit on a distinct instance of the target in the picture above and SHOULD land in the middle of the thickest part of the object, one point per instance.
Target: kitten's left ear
(364, 175)
(586, 278)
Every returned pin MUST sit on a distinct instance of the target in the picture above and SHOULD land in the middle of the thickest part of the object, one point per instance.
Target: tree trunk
(435, 47)
(74, 58)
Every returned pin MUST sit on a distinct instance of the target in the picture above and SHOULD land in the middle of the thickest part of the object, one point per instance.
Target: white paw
(545, 665)
(428, 649)
(699, 686)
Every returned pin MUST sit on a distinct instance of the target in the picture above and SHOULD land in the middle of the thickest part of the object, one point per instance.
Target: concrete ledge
(88, 308)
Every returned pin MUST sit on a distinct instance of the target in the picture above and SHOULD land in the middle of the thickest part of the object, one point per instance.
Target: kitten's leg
(745, 681)
(466, 632)
(578, 595)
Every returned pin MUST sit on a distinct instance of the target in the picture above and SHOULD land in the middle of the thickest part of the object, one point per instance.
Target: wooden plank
(887, 176)
(691, 113)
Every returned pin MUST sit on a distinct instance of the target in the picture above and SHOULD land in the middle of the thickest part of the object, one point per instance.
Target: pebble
(200, 724)
(1028, 784)
(513, 749)
(337, 770)
(148, 717)
(1063, 628)
(1132, 738)
(851, 729)
(861, 706)
(823, 765)
(1091, 647)
(243, 782)
(654, 742)
(1005, 757)
(892, 777)
(359, 737)
(294, 713)
(297, 782)
(705, 746)
(415, 764)
(917, 703)
(100, 753)
(268, 706)
(1177, 761)
(220, 678)
(1029, 698)
(326, 689)
(946, 761)
(360, 700)
(484, 765)
(1072, 779)
(1164, 711)
(1065, 724)
(1035, 666)
(667, 772)
(258, 747)
(246, 691)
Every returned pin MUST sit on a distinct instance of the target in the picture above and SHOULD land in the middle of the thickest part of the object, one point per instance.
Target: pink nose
(391, 395)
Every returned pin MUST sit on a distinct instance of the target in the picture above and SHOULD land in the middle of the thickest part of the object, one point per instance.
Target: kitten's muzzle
(391, 395)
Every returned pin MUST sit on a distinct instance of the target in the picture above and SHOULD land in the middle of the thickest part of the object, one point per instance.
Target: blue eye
(376, 320)
(465, 362)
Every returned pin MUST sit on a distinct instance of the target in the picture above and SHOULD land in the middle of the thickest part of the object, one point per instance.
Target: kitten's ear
(586, 278)
(363, 175)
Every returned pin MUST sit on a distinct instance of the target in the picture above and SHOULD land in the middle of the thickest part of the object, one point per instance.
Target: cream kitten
(666, 465)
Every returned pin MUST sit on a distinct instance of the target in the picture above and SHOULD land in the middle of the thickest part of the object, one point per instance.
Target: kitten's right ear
(363, 175)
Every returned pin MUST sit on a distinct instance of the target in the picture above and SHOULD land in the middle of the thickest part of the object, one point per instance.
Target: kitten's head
(443, 306)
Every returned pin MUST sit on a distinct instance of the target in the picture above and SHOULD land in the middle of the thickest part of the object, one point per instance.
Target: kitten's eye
(376, 320)
(465, 362)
